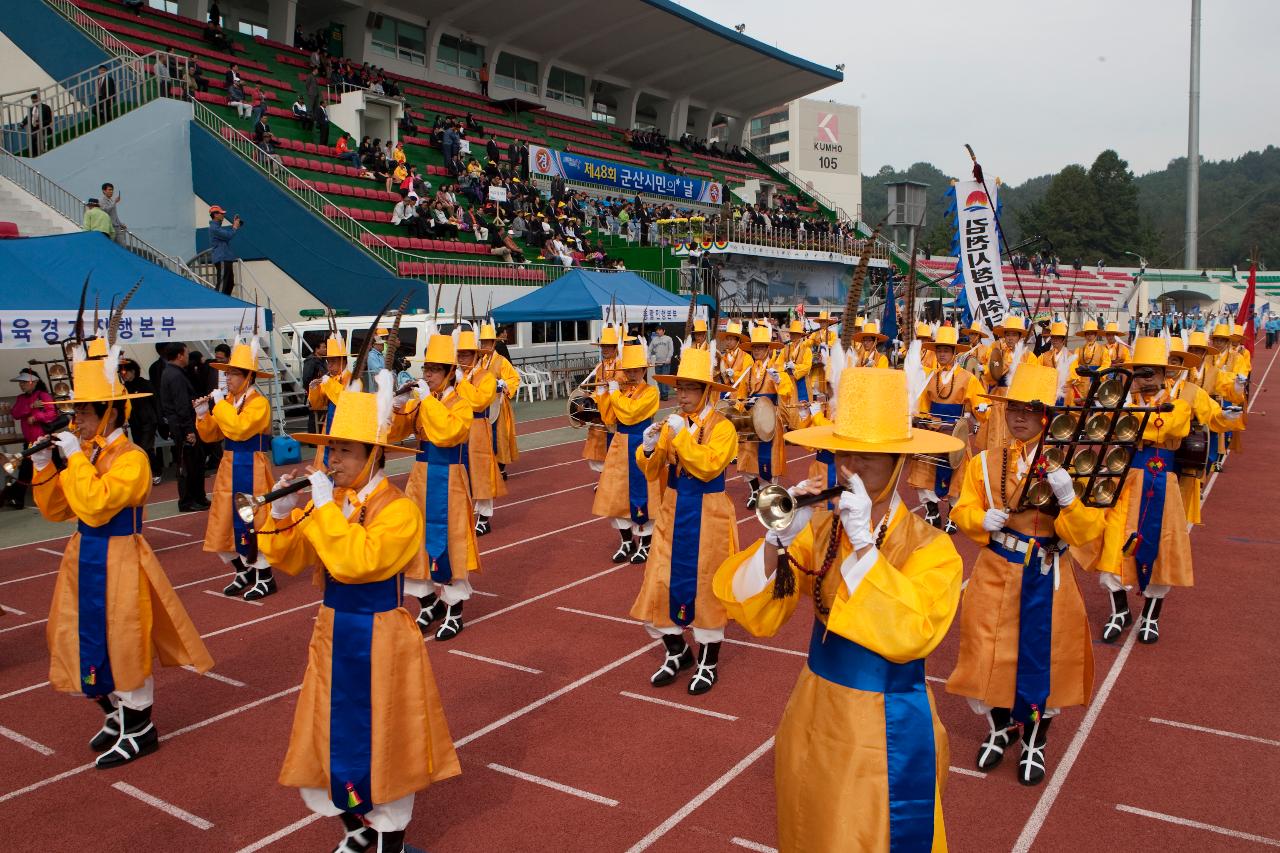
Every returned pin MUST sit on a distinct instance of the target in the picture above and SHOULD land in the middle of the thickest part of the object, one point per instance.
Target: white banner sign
(42, 328)
(650, 314)
(980, 254)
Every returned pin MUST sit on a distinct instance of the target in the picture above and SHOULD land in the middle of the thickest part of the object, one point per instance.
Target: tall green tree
(1117, 199)
(1070, 216)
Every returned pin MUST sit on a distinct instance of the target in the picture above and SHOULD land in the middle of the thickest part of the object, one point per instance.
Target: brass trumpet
(247, 505)
(776, 508)
(13, 461)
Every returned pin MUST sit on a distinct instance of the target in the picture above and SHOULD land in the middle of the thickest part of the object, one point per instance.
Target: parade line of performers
(960, 424)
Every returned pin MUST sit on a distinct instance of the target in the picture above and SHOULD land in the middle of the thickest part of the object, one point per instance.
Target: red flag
(1244, 316)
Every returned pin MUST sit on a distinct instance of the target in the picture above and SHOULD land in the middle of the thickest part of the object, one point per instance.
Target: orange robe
(250, 424)
(961, 389)
(144, 616)
(633, 410)
(759, 384)
(505, 444)
(479, 387)
(599, 437)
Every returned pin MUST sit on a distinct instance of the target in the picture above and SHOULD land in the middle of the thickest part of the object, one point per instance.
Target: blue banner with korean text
(549, 163)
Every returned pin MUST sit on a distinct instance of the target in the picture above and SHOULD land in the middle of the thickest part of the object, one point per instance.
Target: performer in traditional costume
(1058, 357)
(1206, 413)
(599, 437)
(866, 340)
(624, 494)
(1147, 539)
(324, 391)
(822, 342)
(732, 360)
(861, 757)
(479, 387)
(502, 417)
(697, 338)
(763, 459)
(1091, 356)
(1116, 348)
(1000, 358)
(240, 418)
(924, 334)
(1025, 649)
(369, 731)
(113, 607)
(1223, 387)
(442, 420)
(696, 528)
(951, 393)
(796, 357)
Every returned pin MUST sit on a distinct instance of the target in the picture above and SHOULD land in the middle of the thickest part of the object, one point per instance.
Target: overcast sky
(1064, 79)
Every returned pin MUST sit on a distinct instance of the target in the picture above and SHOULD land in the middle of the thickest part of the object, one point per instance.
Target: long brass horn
(247, 505)
(776, 507)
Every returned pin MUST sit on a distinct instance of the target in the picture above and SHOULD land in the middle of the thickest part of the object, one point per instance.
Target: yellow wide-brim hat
(1200, 339)
(1089, 326)
(633, 356)
(947, 336)
(699, 326)
(355, 418)
(1222, 330)
(975, 333)
(242, 358)
(466, 341)
(761, 336)
(1057, 330)
(91, 384)
(869, 330)
(795, 327)
(1237, 333)
(826, 318)
(1190, 360)
(336, 347)
(695, 366)
(1149, 351)
(872, 416)
(1013, 323)
(1112, 328)
(923, 331)
(488, 332)
(1032, 383)
(608, 337)
(734, 330)
(439, 351)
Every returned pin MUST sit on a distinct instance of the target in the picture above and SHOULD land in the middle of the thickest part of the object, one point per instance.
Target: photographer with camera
(223, 256)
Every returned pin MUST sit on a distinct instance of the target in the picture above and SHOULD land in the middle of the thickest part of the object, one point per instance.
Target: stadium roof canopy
(654, 45)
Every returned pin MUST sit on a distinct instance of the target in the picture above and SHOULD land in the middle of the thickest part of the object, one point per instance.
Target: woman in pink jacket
(32, 410)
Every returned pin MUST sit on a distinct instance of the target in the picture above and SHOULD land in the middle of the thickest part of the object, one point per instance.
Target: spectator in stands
(484, 79)
(223, 256)
(444, 225)
(39, 124)
(259, 111)
(215, 14)
(299, 111)
(135, 5)
(556, 250)
(214, 36)
(110, 204)
(398, 153)
(405, 215)
(33, 410)
(407, 126)
(492, 151)
(518, 228)
(313, 93)
(450, 140)
(236, 98)
(446, 197)
(397, 176)
(369, 153)
(104, 95)
(298, 38)
(262, 135)
(344, 152)
(176, 394)
(144, 415)
(322, 127)
(95, 219)
(232, 75)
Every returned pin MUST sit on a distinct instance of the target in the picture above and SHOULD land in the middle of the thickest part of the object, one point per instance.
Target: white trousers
(595, 466)
(136, 700)
(644, 529)
(450, 593)
(387, 817)
(1113, 583)
(927, 496)
(484, 507)
(701, 635)
(980, 707)
(260, 563)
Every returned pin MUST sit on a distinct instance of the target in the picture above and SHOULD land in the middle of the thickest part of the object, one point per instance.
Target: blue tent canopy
(581, 294)
(41, 279)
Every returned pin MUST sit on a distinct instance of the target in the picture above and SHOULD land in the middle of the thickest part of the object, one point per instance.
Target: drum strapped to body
(583, 411)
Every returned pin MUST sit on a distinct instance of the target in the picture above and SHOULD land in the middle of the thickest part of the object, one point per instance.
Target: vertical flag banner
(1244, 317)
(979, 251)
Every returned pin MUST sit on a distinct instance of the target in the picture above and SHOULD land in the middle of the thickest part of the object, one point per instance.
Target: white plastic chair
(528, 384)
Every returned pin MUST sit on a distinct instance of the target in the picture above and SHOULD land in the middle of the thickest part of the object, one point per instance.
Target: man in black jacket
(104, 97)
(176, 409)
(144, 415)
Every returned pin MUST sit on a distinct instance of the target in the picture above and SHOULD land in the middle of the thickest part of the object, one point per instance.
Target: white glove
(424, 390)
(285, 505)
(824, 351)
(321, 488)
(675, 423)
(41, 459)
(791, 365)
(994, 520)
(789, 533)
(651, 434)
(1240, 381)
(458, 374)
(982, 407)
(855, 514)
(1063, 487)
(613, 386)
(202, 409)
(502, 386)
(217, 396)
(68, 443)
(399, 400)
(814, 409)
(728, 371)
(773, 374)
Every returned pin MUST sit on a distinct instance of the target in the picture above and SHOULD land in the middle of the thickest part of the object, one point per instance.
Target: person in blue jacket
(223, 256)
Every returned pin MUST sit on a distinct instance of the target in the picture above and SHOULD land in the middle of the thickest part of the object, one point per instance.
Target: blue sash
(637, 483)
(828, 458)
(942, 473)
(908, 729)
(242, 481)
(435, 505)
(764, 449)
(686, 541)
(351, 687)
(802, 389)
(1155, 463)
(95, 659)
(328, 425)
(1035, 628)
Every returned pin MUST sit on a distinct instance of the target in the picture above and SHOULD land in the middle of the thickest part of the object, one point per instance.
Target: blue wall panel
(48, 38)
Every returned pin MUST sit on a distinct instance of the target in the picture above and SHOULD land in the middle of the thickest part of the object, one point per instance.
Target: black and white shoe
(430, 609)
(502, 469)
(1003, 732)
(949, 527)
(1149, 621)
(704, 677)
(110, 731)
(483, 524)
(138, 738)
(932, 515)
(1031, 764)
(241, 580)
(678, 657)
(263, 585)
(641, 553)
(1119, 619)
(623, 554)
(452, 625)
(755, 492)
(359, 838)
(389, 842)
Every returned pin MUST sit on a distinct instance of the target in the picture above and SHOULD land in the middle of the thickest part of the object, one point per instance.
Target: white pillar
(627, 101)
(197, 9)
(282, 17)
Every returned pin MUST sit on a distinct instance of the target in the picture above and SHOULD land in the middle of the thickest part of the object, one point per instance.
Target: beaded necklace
(833, 546)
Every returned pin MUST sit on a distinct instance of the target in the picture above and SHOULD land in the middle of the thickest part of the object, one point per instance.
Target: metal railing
(71, 208)
(838, 242)
(89, 99)
(91, 28)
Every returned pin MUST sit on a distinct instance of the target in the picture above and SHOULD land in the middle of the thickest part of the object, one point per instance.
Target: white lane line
(168, 808)
(30, 577)
(27, 625)
(218, 594)
(49, 551)
(231, 628)
(75, 771)
(495, 661)
(548, 593)
(25, 741)
(935, 678)
(1209, 731)
(167, 530)
(504, 504)
(179, 545)
(669, 704)
(24, 690)
(753, 845)
(1195, 824)
(965, 771)
(551, 697)
(728, 640)
(522, 472)
(276, 836)
(1041, 812)
(485, 594)
(553, 785)
(544, 536)
(202, 580)
(706, 794)
(9, 608)
(215, 676)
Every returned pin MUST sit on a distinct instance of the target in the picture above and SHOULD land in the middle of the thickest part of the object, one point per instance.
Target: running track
(564, 746)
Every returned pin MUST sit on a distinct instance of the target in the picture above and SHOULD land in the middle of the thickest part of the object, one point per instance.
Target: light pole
(1193, 145)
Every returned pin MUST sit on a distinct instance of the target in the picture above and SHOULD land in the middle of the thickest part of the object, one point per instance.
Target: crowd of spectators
(713, 149)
